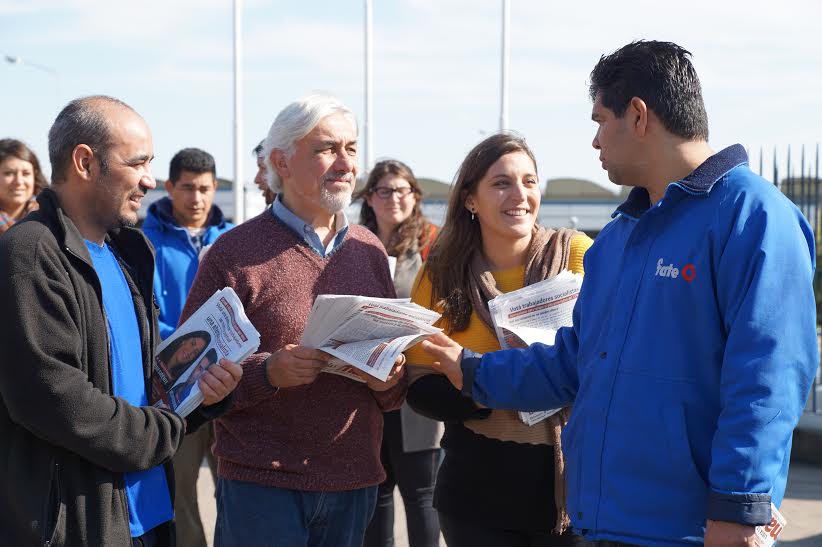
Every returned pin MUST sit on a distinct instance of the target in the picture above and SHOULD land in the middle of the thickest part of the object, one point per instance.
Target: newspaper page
(218, 329)
(366, 333)
(766, 535)
(534, 314)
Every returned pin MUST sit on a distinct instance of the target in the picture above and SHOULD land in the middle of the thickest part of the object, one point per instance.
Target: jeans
(252, 514)
(415, 473)
(461, 533)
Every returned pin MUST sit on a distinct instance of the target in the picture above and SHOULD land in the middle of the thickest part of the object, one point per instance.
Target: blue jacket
(689, 362)
(177, 259)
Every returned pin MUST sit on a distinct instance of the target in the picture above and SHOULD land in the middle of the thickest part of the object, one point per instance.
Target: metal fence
(798, 178)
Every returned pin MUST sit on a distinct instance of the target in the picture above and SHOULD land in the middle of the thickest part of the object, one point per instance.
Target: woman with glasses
(410, 447)
(20, 181)
(501, 483)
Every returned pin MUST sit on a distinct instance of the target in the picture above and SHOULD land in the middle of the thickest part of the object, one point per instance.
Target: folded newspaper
(534, 314)
(219, 328)
(366, 333)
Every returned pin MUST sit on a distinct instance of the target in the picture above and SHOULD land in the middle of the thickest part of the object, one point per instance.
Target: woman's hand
(449, 357)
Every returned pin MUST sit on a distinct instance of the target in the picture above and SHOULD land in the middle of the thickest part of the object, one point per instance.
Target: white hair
(294, 122)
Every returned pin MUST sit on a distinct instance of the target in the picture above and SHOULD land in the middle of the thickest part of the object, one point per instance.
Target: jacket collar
(161, 213)
(130, 242)
(700, 181)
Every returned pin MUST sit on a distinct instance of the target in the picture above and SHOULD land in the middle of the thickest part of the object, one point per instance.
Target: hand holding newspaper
(366, 333)
(218, 329)
(534, 314)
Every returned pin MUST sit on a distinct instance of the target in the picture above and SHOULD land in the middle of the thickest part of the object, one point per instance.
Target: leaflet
(534, 314)
(366, 333)
(218, 329)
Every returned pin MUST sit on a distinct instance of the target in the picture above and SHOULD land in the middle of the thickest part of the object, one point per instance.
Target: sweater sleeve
(43, 382)
(430, 393)
(579, 246)
(211, 277)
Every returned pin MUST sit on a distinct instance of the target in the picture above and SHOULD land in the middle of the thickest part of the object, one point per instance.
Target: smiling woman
(497, 484)
(20, 181)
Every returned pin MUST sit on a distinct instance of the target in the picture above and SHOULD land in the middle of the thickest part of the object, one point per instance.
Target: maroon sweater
(324, 436)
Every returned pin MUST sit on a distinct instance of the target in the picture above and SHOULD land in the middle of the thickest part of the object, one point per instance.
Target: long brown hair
(12, 148)
(460, 237)
(413, 230)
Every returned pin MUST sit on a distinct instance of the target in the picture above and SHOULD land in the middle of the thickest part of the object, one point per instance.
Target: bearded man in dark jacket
(84, 460)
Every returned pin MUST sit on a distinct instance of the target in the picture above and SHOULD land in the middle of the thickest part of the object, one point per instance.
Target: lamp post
(16, 60)
(239, 187)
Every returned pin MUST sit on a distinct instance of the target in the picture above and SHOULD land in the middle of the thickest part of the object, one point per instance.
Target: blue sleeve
(536, 378)
(764, 287)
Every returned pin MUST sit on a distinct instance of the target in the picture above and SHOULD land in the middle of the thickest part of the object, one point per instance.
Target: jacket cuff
(469, 363)
(748, 509)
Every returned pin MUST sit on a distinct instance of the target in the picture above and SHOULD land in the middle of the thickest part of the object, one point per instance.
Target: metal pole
(506, 51)
(239, 187)
(369, 88)
(16, 60)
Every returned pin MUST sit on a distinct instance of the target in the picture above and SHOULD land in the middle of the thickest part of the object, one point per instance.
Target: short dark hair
(82, 121)
(659, 73)
(191, 159)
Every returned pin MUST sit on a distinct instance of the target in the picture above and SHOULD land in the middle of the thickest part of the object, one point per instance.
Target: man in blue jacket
(181, 226)
(694, 338)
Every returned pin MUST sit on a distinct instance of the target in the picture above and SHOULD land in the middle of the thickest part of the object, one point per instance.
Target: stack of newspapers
(219, 329)
(534, 314)
(366, 333)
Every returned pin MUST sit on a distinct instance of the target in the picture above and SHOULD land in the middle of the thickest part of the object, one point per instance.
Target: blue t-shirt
(149, 501)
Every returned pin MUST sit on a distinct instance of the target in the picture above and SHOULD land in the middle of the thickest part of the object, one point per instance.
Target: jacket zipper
(55, 511)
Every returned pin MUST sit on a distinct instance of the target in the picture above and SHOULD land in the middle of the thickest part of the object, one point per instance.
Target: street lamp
(16, 60)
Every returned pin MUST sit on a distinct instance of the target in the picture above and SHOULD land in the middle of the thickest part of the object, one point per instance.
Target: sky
(436, 71)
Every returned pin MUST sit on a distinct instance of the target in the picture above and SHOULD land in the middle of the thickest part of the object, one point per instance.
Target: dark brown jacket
(65, 441)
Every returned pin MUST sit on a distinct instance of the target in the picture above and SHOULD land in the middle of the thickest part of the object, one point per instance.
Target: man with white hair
(299, 453)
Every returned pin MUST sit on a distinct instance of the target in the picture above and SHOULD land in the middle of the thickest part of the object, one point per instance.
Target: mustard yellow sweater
(501, 424)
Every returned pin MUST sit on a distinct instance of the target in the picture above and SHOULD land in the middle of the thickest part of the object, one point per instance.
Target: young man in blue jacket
(694, 338)
(180, 227)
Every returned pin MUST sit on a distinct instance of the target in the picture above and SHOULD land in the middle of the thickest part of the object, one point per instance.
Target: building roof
(565, 189)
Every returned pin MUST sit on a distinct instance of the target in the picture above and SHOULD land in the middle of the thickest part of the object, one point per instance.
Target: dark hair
(414, 229)
(168, 352)
(258, 150)
(12, 148)
(460, 237)
(193, 160)
(659, 73)
(82, 121)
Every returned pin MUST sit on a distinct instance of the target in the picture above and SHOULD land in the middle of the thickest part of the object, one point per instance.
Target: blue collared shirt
(307, 232)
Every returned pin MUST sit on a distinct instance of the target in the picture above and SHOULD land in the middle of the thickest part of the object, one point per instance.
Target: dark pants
(255, 515)
(187, 462)
(461, 533)
(606, 543)
(415, 474)
(159, 536)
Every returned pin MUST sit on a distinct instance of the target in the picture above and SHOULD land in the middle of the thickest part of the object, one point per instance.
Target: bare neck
(318, 218)
(74, 206)
(672, 161)
(505, 254)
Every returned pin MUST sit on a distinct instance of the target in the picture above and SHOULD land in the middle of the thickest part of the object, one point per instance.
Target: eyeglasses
(383, 192)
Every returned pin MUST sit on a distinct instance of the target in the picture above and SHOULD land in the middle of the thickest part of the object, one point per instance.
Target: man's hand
(719, 533)
(394, 376)
(449, 357)
(294, 365)
(219, 380)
